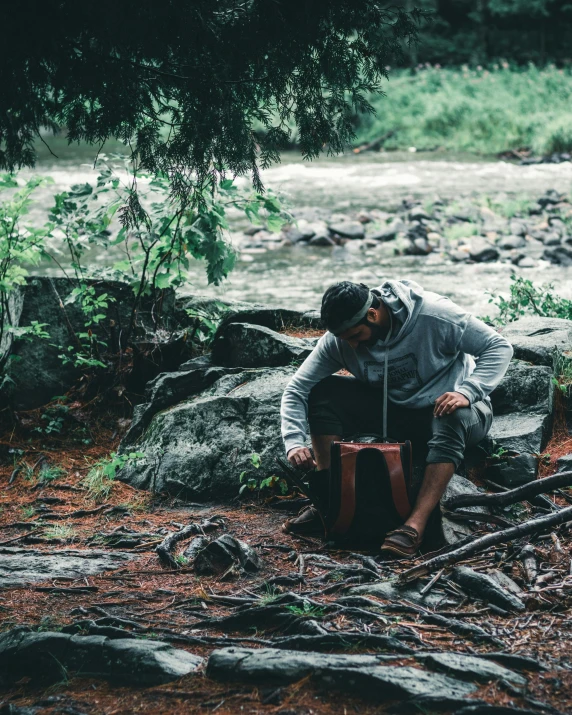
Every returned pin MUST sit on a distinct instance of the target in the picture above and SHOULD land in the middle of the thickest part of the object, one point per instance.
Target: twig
(563, 479)
(484, 542)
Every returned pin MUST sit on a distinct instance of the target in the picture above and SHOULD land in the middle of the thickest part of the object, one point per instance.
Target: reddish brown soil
(153, 595)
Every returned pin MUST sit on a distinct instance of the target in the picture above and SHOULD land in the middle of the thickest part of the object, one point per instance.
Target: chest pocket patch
(403, 374)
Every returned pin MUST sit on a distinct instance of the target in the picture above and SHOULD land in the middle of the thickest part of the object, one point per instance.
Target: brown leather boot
(308, 521)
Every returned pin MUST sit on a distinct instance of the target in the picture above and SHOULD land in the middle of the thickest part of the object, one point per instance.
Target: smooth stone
(419, 214)
(483, 586)
(510, 242)
(518, 228)
(561, 256)
(322, 241)
(527, 262)
(535, 339)
(20, 566)
(349, 229)
(482, 251)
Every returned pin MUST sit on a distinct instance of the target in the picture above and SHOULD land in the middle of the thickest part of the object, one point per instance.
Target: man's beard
(377, 334)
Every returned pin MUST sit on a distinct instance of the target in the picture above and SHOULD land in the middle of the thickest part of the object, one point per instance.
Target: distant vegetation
(482, 110)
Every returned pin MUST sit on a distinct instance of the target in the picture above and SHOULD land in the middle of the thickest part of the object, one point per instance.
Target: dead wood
(485, 542)
(171, 540)
(512, 496)
(459, 515)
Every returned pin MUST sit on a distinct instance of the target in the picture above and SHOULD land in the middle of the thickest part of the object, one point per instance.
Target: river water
(296, 277)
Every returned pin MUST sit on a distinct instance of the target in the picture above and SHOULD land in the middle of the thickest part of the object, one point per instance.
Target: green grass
(460, 230)
(65, 532)
(484, 111)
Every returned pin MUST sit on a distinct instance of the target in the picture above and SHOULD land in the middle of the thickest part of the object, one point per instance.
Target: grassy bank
(486, 111)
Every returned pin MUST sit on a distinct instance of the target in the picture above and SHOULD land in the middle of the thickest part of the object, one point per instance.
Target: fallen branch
(484, 542)
(171, 540)
(539, 486)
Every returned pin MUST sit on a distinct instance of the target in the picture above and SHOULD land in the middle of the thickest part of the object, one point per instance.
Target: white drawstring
(385, 378)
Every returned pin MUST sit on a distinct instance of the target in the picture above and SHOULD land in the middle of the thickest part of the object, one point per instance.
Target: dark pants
(341, 405)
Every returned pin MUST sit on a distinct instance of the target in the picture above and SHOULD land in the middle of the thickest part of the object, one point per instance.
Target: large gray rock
(21, 566)
(513, 471)
(200, 446)
(482, 251)
(223, 312)
(348, 229)
(523, 406)
(39, 374)
(362, 674)
(537, 339)
(128, 661)
(519, 432)
(244, 345)
(524, 388)
(169, 388)
(470, 667)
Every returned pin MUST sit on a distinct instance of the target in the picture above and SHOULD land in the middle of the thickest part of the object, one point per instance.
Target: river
(296, 277)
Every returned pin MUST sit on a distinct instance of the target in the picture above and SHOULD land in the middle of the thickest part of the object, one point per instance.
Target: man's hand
(301, 458)
(449, 402)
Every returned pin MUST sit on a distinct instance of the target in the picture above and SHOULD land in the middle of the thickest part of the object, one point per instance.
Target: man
(438, 396)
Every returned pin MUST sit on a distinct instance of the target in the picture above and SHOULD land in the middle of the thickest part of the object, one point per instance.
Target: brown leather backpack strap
(398, 481)
(348, 456)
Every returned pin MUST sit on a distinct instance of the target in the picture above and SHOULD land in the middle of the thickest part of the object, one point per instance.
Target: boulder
(482, 251)
(560, 255)
(201, 445)
(510, 242)
(245, 345)
(519, 432)
(512, 471)
(39, 373)
(536, 339)
(524, 388)
(348, 229)
(222, 313)
(363, 674)
(322, 240)
(128, 661)
(485, 587)
(20, 566)
(169, 388)
(523, 405)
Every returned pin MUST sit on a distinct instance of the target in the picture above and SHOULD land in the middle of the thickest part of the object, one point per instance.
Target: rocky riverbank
(461, 231)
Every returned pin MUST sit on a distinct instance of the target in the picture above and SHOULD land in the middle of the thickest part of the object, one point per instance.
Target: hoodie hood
(403, 299)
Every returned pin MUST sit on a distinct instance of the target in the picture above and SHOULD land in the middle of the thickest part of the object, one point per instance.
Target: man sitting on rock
(438, 396)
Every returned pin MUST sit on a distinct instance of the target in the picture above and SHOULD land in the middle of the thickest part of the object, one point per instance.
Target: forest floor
(167, 604)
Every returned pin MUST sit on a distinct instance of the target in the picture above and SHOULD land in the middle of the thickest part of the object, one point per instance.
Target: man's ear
(373, 315)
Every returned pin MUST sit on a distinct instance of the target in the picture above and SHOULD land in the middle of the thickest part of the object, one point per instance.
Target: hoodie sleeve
(323, 361)
(493, 353)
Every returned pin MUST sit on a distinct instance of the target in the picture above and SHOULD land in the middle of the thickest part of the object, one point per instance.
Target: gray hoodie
(430, 353)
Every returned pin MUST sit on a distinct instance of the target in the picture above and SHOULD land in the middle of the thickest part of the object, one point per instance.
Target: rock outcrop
(129, 661)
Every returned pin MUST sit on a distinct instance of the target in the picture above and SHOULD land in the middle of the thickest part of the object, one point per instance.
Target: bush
(528, 299)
